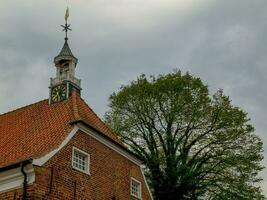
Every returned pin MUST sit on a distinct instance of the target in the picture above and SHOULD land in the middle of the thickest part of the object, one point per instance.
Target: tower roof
(65, 53)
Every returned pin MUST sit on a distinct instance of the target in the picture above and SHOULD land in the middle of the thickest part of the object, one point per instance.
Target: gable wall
(110, 174)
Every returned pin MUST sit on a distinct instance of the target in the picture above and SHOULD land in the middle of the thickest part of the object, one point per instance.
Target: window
(80, 160)
(136, 188)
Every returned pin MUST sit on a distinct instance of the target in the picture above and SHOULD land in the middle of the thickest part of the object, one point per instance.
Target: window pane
(135, 188)
(80, 160)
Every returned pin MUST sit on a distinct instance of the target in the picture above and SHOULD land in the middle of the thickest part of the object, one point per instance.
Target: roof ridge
(94, 113)
(75, 106)
(23, 107)
(81, 111)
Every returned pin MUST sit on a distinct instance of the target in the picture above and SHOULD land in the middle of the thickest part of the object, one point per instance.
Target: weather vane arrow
(66, 27)
(67, 15)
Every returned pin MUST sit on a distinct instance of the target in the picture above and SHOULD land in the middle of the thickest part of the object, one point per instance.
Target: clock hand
(59, 97)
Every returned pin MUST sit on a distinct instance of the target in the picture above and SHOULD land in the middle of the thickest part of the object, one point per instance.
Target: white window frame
(87, 167)
(140, 188)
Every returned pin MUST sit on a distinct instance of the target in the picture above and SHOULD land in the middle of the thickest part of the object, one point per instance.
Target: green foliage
(194, 145)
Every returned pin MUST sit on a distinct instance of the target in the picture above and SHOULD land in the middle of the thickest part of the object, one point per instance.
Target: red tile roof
(35, 130)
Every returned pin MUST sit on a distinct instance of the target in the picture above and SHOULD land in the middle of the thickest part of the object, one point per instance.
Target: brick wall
(110, 175)
(16, 194)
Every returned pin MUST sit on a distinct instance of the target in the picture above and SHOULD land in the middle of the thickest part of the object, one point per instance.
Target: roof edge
(43, 159)
(15, 165)
(87, 129)
(109, 139)
(23, 107)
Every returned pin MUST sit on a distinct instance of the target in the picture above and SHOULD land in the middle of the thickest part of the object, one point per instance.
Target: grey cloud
(223, 42)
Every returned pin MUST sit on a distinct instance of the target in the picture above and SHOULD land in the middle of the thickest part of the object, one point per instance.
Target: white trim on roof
(45, 158)
(109, 144)
(148, 188)
(42, 160)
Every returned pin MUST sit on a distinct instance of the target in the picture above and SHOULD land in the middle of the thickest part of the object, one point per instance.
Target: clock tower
(65, 62)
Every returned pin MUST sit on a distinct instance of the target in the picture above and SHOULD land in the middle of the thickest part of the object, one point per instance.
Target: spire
(65, 53)
(62, 86)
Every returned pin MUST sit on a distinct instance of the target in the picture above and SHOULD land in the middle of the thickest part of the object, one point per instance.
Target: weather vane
(66, 27)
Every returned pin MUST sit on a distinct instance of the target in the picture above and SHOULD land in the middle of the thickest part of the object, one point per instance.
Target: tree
(194, 145)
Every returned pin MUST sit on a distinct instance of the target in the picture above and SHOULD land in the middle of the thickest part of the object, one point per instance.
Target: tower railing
(65, 77)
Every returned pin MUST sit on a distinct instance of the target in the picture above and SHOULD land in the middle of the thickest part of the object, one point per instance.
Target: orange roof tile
(34, 130)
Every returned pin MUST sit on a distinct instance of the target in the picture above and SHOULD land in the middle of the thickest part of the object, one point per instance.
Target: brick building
(59, 149)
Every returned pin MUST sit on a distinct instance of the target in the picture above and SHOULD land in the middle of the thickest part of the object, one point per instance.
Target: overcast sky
(223, 42)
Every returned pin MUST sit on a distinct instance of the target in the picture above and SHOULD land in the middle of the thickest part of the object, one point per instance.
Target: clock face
(59, 93)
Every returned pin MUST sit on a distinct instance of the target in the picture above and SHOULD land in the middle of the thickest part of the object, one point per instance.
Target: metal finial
(66, 27)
